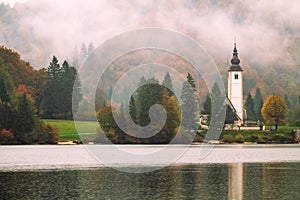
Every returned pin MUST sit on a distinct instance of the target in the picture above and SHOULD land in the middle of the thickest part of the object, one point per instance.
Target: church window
(236, 76)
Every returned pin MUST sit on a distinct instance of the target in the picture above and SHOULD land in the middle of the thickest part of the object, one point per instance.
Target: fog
(263, 29)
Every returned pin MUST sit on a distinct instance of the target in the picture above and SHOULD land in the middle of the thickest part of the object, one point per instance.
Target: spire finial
(235, 61)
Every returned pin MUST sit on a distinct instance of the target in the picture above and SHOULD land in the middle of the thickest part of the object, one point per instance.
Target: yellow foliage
(275, 110)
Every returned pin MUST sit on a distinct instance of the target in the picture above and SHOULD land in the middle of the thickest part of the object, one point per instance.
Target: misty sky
(262, 28)
(12, 2)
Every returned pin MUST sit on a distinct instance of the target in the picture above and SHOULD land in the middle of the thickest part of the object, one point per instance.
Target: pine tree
(191, 81)
(52, 93)
(54, 69)
(258, 103)
(7, 87)
(207, 105)
(250, 107)
(190, 108)
(83, 52)
(90, 48)
(167, 82)
(26, 120)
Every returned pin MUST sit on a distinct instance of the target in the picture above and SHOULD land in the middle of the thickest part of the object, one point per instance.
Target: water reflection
(209, 181)
(236, 181)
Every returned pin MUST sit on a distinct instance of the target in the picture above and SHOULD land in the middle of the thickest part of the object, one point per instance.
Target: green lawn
(68, 131)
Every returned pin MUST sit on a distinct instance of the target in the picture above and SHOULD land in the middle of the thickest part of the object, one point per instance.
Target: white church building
(235, 88)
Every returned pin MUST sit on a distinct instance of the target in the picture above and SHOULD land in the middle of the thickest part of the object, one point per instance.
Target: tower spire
(235, 61)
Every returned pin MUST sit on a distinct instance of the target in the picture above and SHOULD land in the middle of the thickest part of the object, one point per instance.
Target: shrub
(281, 138)
(6, 136)
(228, 138)
(239, 138)
(52, 134)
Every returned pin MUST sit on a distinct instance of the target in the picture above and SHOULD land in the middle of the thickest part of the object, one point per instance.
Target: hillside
(268, 34)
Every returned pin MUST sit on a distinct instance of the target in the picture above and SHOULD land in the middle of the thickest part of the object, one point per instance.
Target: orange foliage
(6, 136)
(23, 89)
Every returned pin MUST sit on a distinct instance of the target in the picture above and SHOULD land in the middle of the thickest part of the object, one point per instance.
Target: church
(235, 112)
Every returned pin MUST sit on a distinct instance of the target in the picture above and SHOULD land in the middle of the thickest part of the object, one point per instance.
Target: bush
(228, 138)
(6, 137)
(281, 138)
(239, 138)
(297, 122)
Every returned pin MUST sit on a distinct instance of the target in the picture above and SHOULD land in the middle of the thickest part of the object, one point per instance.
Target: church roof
(231, 115)
(235, 61)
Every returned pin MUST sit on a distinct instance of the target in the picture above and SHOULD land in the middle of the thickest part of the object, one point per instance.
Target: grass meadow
(68, 131)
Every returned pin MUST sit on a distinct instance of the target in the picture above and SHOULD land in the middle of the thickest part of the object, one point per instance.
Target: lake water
(228, 172)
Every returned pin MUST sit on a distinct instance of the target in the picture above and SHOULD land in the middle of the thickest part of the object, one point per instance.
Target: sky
(12, 2)
(261, 27)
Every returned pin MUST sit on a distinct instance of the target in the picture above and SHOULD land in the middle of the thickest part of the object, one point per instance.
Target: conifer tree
(25, 121)
(190, 108)
(250, 107)
(191, 81)
(207, 105)
(90, 48)
(167, 82)
(258, 103)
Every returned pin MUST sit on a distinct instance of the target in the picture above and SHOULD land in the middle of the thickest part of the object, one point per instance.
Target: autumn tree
(172, 108)
(275, 110)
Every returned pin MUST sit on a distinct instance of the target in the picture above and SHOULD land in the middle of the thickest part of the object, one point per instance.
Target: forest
(26, 95)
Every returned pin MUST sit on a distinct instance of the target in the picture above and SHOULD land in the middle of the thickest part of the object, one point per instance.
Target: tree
(7, 87)
(250, 107)
(147, 95)
(275, 110)
(62, 91)
(71, 90)
(26, 120)
(52, 93)
(172, 108)
(90, 48)
(297, 122)
(190, 107)
(83, 52)
(167, 82)
(258, 103)
(54, 69)
(108, 124)
(191, 81)
(207, 105)
(132, 109)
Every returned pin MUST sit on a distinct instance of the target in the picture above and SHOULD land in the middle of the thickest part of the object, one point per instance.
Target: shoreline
(50, 157)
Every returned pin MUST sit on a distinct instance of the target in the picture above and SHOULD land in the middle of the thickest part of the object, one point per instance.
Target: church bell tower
(235, 84)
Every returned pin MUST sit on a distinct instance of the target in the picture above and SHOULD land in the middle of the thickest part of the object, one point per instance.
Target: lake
(227, 172)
